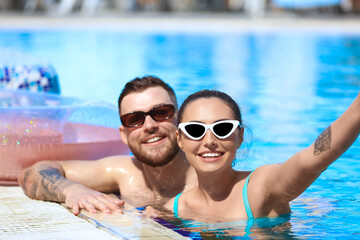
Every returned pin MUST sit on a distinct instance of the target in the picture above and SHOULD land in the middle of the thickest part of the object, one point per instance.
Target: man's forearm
(45, 182)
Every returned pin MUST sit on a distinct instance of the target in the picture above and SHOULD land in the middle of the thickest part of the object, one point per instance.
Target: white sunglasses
(197, 130)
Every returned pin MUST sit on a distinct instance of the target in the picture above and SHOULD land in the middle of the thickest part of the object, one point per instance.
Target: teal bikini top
(245, 199)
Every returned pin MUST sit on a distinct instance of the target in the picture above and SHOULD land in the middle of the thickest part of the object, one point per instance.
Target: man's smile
(154, 139)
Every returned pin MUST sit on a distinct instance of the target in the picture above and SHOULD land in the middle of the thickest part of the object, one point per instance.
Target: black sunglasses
(158, 113)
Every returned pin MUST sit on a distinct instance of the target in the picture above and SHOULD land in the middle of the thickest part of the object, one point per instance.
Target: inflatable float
(44, 126)
(22, 71)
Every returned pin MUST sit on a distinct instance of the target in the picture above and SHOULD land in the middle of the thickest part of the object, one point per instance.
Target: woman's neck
(217, 186)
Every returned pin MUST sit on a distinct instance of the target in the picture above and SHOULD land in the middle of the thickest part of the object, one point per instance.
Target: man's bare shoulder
(130, 177)
(118, 162)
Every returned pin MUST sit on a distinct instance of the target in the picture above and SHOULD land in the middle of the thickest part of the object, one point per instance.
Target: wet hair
(143, 83)
(212, 94)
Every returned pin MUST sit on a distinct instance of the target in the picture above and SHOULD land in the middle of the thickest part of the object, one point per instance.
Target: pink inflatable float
(40, 126)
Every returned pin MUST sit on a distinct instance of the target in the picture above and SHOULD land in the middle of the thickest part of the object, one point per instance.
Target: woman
(210, 131)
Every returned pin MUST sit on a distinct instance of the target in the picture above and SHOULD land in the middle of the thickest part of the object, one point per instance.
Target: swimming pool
(290, 85)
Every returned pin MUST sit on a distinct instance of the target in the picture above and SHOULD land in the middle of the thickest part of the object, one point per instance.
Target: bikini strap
(176, 203)
(246, 199)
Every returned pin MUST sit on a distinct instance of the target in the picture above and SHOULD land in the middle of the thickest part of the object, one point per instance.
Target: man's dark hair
(141, 84)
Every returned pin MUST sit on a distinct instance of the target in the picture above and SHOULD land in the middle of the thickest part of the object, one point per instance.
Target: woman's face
(209, 154)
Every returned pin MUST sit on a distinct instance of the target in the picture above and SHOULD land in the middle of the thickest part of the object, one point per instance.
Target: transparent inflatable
(43, 126)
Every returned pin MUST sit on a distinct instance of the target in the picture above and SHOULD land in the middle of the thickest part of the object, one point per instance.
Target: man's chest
(136, 191)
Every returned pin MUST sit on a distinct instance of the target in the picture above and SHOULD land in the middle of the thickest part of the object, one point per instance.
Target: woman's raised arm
(290, 179)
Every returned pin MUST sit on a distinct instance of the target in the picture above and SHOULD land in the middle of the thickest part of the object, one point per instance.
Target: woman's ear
(179, 142)
(240, 137)
(123, 135)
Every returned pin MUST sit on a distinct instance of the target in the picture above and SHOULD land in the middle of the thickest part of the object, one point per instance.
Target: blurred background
(257, 8)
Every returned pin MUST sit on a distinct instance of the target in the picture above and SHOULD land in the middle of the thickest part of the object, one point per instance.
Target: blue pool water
(290, 85)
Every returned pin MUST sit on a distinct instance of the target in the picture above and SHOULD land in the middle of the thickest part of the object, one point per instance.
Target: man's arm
(39, 181)
(288, 180)
(74, 182)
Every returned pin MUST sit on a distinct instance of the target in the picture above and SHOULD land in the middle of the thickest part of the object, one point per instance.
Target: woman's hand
(151, 212)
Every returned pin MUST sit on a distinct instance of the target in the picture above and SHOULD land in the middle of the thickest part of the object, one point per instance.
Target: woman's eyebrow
(221, 120)
(196, 121)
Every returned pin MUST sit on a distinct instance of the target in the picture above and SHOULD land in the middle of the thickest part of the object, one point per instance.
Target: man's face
(153, 143)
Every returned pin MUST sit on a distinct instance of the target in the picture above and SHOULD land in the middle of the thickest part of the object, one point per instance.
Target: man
(157, 172)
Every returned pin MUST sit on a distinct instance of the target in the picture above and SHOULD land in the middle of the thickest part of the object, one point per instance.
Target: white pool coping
(25, 218)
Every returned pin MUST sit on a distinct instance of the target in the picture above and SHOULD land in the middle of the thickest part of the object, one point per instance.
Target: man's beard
(157, 157)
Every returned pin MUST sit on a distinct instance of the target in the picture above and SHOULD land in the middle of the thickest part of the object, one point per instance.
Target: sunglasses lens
(223, 129)
(133, 119)
(163, 112)
(195, 130)
(137, 119)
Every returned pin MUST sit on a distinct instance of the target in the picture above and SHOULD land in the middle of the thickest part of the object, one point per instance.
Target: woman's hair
(141, 84)
(210, 94)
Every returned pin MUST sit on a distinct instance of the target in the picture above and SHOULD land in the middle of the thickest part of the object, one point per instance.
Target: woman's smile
(211, 156)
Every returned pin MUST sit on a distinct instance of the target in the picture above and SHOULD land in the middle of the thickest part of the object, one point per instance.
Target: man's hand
(79, 197)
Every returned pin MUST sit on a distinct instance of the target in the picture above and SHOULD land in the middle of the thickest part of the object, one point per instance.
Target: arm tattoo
(45, 183)
(51, 174)
(322, 142)
(50, 185)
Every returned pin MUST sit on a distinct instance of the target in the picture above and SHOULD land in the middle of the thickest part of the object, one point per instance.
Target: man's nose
(150, 124)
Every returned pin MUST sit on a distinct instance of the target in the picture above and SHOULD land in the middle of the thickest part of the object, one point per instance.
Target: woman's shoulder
(260, 176)
(264, 170)
(169, 204)
(257, 173)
